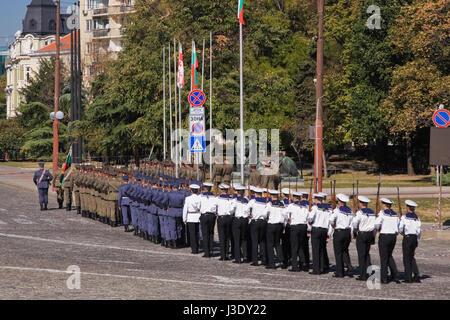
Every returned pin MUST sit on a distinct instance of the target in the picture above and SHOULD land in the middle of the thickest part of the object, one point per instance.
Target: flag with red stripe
(180, 77)
(241, 11)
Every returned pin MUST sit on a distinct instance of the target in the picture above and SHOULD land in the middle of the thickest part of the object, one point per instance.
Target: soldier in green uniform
(76, 188)
(57, 185)
(216, 174)
(254, 178)
(112, 199)
(67, 186)
(227, 171)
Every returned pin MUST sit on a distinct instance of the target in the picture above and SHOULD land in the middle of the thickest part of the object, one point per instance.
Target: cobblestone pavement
(37, 247)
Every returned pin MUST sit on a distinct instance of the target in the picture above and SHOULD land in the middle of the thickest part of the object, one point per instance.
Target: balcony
(101, 33)
(113, 10)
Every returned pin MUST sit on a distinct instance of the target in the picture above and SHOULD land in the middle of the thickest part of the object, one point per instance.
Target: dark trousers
(299, 246)
(341, 241)
(319, 249)
(258, 235)
(286, 244)
(363, 243)
(240, 235)
(43, 195)
(386, 245)
(126, 214)
(207, 222)
(409, 246)
(273, 238)
(224, 229)
(193, 236)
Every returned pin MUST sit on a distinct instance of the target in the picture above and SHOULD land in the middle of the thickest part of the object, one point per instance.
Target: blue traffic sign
(197, 144)
(196, 98)
(441, 118)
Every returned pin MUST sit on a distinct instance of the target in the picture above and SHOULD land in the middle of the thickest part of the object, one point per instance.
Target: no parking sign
(441, 118)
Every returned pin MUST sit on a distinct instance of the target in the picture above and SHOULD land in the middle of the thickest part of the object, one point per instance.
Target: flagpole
(170, 103)
(203, 68)
(164, 101)
(210, 103)
(241, 103)
(175, 87)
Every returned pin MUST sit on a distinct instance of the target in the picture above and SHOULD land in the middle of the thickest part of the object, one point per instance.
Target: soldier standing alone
(42, 179)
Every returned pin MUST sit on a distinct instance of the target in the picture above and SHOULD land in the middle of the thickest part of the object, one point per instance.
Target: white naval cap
(363, 199)
(285, 190)
(304, 193)
(258, 190)
(411, 203)
(194, 186)
(224, 186)
(386, 200)
(324, 195)
(318, 195)
(208, 184)
(297, 194)
(239, 187)
(342, 197)
(252, 188)
(273, 191)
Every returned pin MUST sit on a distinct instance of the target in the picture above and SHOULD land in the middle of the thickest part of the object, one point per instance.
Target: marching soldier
(275, 227)
(410, 229)
(387, 223)
(318, 217)
(240, 227)
(258, 225)
(364, 226)
(297, 212)
(191, 216)
(67, 186)
(57, 185)
(208, 210)
(42, 179)
(76, 188)
(225, 210)
(124, 203)
(341, 221)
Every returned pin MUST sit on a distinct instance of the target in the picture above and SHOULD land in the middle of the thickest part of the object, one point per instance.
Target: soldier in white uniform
(225, 211)
(319, 217)
(341, 221)
(410, 229)
(240, 227)
(387, 223)
(297, 213)
(258, 225)
(191, 216)
(364, 230)
(275, 227)
(208, 211)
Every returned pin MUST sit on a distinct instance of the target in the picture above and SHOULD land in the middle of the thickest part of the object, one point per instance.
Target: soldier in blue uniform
(124, 203)
(42, 179)
(175, 215)
(155, 235)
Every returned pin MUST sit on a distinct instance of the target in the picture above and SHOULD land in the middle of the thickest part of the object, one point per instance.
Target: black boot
(69, 207)
(60, 204)
(78, 210)
(45, 206)
(126, 228)
(42, 206)
(135, 231)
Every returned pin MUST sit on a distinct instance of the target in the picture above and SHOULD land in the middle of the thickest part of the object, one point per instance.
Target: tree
(2, 96)
(11, 135)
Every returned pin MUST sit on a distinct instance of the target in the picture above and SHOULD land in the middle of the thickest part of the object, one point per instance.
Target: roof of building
(40, 19)
(64, 45)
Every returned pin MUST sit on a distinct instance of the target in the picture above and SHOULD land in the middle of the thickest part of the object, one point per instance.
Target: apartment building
(102, 23)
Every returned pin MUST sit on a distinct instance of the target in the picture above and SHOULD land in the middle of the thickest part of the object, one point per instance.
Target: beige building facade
(102, 23)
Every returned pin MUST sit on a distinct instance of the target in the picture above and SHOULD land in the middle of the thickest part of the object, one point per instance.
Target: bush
(445, 179)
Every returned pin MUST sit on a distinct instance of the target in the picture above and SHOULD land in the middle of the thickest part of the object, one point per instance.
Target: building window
(28, 74)
(33, 24)
(88, 25)
(52, 25)
(93, 4)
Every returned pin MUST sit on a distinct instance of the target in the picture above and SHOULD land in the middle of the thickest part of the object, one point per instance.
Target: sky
(11, 14)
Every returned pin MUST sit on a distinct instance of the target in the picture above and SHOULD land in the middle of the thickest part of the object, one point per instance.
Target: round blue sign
(441, 118)
(196, 98)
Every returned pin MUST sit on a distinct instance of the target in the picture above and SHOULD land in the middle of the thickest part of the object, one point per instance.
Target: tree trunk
(409, 160)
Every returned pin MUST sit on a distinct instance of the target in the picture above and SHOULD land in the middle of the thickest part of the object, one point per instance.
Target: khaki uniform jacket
(227, 172)
(217, 171)
(57, 178)
(254, 178)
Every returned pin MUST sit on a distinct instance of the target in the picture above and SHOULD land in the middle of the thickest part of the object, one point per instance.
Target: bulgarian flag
(66, 166)
(194, 66)
(241, 11)
(68, 160)
(180, 77)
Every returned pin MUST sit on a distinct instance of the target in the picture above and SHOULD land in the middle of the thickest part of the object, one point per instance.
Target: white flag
(180, 76)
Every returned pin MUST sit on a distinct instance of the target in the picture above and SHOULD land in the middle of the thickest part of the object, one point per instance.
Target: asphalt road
(37, 247)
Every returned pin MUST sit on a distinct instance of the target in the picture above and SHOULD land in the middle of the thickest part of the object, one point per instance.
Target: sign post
(197, 141)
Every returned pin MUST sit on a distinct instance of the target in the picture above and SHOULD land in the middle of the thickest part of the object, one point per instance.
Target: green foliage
(2, 96)
(39, 140)
(11, 135)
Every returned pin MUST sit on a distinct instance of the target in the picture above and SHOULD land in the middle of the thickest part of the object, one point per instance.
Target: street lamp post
(56, 107)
